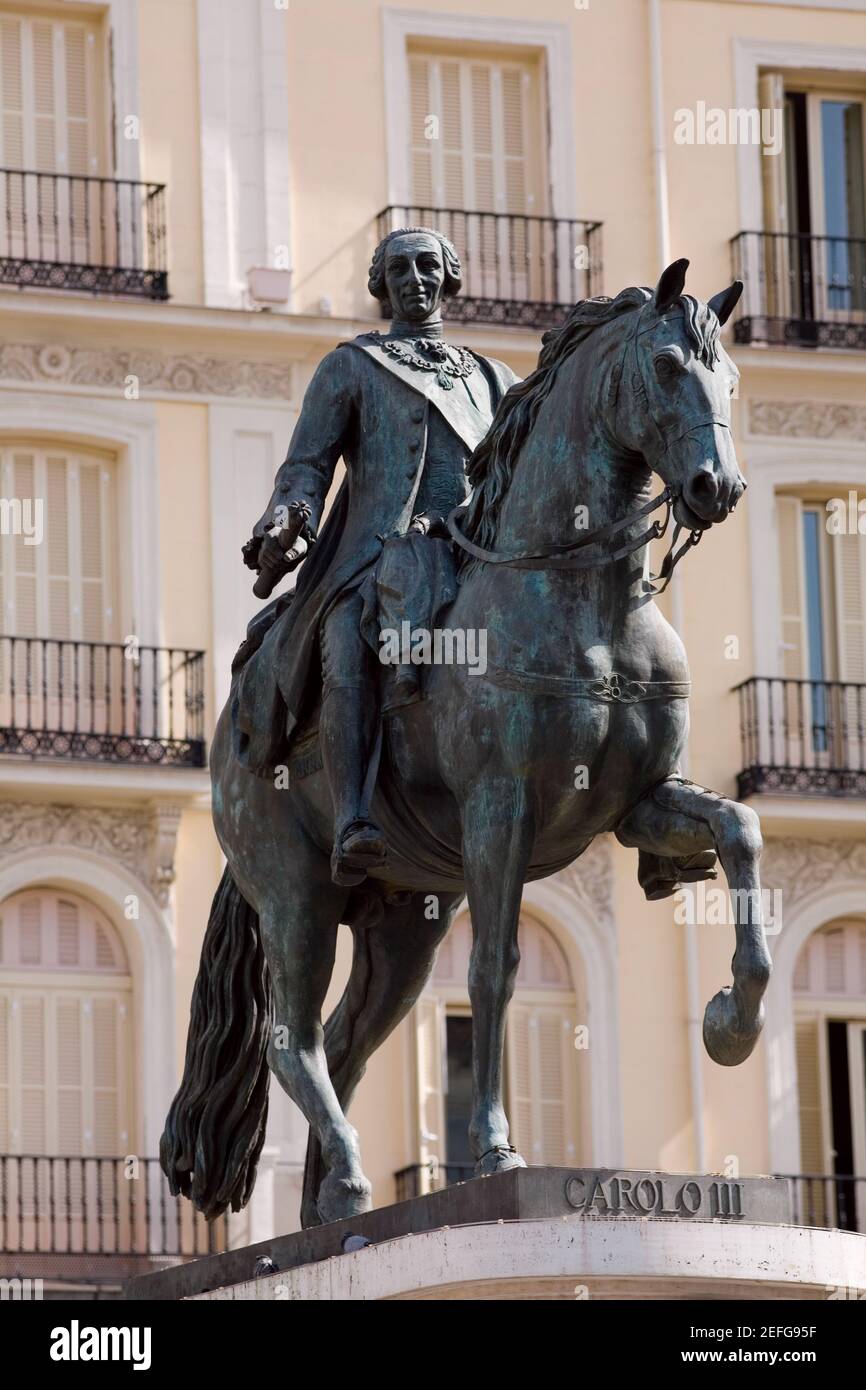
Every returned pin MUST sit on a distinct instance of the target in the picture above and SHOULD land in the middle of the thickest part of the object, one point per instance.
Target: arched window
(65, 1028)
(541, 1061)
(830, 1024)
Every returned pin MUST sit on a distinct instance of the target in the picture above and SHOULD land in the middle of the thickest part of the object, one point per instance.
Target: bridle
(574, 555)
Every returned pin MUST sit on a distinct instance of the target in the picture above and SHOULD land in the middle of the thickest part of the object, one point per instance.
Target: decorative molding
(801, 867)
(590, 879)
(143, 841)
(191, 374)
(808, 419)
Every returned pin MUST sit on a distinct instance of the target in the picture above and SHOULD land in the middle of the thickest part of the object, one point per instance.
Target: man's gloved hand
(429, 524)
(274, 556)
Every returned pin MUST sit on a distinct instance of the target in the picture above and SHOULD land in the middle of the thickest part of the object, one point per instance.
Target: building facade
(189, 197)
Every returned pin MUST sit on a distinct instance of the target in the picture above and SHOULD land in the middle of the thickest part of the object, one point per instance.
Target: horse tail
(343, 1066)
(215, 1128)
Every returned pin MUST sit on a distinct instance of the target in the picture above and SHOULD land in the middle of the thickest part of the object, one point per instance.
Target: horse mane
(491, 466)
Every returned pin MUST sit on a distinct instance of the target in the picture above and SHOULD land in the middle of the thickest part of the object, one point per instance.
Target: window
(486, 155)
(65, 994)
(49, 95)
(823, 626)
(62, 588)
(541, 1061)
(477, 152)
(830, 1023)
(815, 196)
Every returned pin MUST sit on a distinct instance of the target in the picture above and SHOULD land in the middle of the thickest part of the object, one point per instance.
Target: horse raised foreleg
(497, 841)
(679, 819)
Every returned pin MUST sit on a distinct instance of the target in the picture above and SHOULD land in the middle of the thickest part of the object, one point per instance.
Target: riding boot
(346, 732)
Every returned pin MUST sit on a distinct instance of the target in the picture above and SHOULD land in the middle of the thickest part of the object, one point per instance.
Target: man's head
(413, 270)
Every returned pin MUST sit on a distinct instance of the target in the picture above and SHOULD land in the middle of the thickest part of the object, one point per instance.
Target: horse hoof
(498, 1160)
(342, 1197)
(727, 1041)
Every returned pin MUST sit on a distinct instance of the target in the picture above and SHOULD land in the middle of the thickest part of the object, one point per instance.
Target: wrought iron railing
(802, 737)
(101, 701)
(518, 270)
(828, 1199)
(801, 291)
(419, 1178)
(81, 232)
(95, 1219)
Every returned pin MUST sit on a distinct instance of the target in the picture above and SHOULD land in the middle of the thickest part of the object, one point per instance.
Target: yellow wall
(170, 149)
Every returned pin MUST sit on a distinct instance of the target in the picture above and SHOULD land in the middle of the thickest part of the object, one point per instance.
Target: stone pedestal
(550, 1233)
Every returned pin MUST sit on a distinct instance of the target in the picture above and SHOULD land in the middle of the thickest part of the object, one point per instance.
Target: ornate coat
(375, 412)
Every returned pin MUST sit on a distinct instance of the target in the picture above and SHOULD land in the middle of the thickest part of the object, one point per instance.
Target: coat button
(414, 444)
(417, 416)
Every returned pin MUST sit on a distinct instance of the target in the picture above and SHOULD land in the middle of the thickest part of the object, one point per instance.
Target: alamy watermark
(699, 905)
(421, 646)
(711, 125)
(23, 516)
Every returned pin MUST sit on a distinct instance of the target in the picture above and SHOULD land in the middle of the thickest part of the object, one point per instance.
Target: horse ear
(724, 303)
(671, 284)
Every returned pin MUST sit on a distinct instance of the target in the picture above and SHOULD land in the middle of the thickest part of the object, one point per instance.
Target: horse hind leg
(299, 930)
(391, 964)
(679, 819)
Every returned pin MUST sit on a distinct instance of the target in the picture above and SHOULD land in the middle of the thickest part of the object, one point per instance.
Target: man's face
(414, 276)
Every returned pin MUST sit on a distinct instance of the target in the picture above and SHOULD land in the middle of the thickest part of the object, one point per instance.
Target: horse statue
(491, 780)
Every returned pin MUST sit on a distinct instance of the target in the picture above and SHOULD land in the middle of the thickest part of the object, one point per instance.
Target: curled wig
(453, 271)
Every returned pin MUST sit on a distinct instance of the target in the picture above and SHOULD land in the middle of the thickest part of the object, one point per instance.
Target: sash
(469, 422)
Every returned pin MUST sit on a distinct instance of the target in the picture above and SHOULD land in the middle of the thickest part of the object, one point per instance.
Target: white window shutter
(849, 565)
(482, 160)
(61, 588)
(65, 1050)
(11, 93)
(107, 1064)
(32, 1059)
(429, 1072)
(421, 108)
(49, 154)
(542, 1104)
(58, 579)
(774, 249)
(810, 1099)
(25, 613)
(523, 1132)
(849, 582)
(794, 657)
(69, 1133)
(5, 1072)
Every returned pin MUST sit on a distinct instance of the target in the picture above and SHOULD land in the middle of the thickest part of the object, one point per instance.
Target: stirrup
(351, 862)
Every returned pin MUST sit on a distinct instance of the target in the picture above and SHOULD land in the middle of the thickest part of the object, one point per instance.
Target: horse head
(670, 391)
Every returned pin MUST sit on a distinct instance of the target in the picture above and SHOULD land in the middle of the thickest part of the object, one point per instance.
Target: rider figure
(404, 410)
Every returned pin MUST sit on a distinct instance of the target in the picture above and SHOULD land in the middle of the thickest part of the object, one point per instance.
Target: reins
(571, 556)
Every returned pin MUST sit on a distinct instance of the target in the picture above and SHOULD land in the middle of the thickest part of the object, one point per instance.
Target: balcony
(101, 702)
(829, 1200)
(802, 737)
(523, 272)
(81, 233)
(95, 1220)
(801, 291)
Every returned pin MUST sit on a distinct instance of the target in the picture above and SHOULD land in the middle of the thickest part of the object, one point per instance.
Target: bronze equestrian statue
(465, 785)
